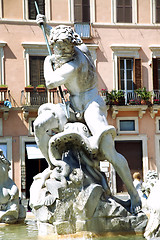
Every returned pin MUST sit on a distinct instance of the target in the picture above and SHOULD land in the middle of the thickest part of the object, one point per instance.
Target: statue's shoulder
(82, 52)
(83, 48)
(85, 52)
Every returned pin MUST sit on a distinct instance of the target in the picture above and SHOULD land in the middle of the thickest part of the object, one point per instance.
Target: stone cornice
(125, 47)
(141, 109)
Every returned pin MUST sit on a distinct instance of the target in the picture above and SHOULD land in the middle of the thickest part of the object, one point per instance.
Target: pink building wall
(14, 30)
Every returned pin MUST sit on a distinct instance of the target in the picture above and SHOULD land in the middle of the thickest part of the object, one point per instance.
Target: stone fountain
(72, 194)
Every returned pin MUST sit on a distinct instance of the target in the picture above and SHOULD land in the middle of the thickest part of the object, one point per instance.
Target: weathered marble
(11, 211)
(72, 192)
(152, 185)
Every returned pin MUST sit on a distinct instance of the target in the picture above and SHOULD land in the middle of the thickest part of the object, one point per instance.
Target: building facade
(124, 39)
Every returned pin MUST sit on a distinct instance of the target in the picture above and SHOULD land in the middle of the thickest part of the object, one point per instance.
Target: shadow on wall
(8, 53)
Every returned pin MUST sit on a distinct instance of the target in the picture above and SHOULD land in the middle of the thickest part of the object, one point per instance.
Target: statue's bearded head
(65, 34)
(63, 39)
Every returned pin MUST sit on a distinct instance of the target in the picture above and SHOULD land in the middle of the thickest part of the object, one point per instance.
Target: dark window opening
(156, 73)
(32, 13)
(82, 11)
(124, 11)
(132, 151)
(157, 11)
(127, 125)
(33, 167)
(37, 78)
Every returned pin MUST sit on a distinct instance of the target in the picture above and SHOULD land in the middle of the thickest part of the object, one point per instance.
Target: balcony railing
(128, 98)
(35, 98)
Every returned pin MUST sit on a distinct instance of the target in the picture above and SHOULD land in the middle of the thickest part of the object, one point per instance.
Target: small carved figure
(9, 195)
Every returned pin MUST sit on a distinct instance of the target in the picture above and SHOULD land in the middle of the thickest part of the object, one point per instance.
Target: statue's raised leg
(121, 166)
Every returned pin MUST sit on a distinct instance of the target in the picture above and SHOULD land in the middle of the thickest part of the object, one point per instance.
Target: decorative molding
(125, 47)
(35, 48)
(27, 109)
(154, 110)
(141, 109)
(135, 119)
(114, 112)
(134, 11)
(122, 50)
(155, 49)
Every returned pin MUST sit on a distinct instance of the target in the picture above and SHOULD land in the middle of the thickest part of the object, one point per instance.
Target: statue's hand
(41, 19)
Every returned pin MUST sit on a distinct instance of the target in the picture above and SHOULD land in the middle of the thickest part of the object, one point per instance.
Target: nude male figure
(74, 68)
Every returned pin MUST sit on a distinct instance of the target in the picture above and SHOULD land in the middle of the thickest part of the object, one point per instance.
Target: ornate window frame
(114, 15)
(32, 49)
(122, 51)
(153, 12)
(47, 10)
(135, 119)
(71, 11)
(155, 50)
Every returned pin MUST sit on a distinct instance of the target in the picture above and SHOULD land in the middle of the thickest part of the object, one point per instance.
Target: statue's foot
(136, 204)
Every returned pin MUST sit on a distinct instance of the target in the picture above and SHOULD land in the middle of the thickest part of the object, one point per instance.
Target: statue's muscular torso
(82, 84)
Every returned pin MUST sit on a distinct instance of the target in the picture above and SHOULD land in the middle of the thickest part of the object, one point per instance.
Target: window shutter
(124, 11)
(32, 9)
(155, 73)
(36, 70)
(86, 11)
(77, 10)
(137, 73)
(119, 73)
(37, 78)
(157, 11)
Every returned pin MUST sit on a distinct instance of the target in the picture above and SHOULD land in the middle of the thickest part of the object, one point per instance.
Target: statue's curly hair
(70, 36)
